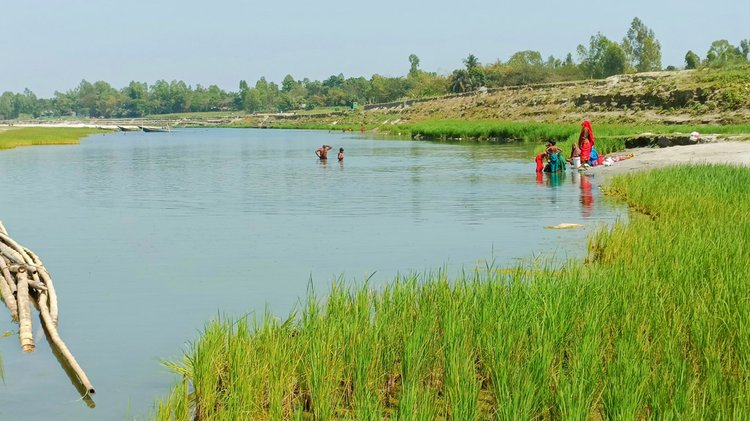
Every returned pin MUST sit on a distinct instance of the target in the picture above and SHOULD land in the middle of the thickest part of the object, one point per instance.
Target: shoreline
(720, 152)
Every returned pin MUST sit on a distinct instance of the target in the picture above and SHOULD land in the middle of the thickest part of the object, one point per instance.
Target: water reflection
(585, 191)
(555, 179)
(587, 198)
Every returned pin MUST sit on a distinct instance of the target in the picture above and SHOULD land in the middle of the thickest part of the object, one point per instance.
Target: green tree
(745, 48)
(199, 99)
(26, 103)
(7, 107)
(356, 89)
(288, 84)
(525, 67)
(460, 81)
(471, 62)
(334, 81)
(251, 101)
(552, 62)
(160, 97)
(293, 94)
(413, 64)
(641, 47)
(386, 89)
(242, 95)
(85, 99)
(268, 95)
(135, 99)
(470, 78)
(64, 103)
(107, 100)
(692, 61)
(218, 99)
(568, 60)
(723, 53)
(424, 84)
(602, 58)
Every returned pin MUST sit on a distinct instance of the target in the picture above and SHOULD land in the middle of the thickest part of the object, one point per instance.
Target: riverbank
(729, 152)
(627, 333)
(12, 136)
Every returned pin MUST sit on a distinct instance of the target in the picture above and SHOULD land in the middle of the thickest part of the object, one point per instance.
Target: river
(150, 235)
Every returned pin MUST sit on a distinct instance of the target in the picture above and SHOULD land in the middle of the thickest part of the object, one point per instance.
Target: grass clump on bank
(654, 324)
(32, 136)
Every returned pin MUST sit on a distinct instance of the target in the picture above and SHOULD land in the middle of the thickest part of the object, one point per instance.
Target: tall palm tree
(471, 62)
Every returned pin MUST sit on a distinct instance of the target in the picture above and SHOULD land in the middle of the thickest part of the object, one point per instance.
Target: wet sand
(729, 152)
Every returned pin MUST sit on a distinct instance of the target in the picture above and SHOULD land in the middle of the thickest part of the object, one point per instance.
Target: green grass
(609, 137)
(654, 324)
(31, 136)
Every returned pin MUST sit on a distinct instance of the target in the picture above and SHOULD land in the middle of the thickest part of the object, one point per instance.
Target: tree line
(639, 51)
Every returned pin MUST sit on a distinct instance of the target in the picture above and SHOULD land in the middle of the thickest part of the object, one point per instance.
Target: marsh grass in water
(12, 137)
(654, 324)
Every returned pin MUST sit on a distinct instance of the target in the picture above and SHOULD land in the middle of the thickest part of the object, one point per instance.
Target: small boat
(153, 129)
(128, 128)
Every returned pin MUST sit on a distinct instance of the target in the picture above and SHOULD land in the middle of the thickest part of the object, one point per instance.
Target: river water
(150, 235)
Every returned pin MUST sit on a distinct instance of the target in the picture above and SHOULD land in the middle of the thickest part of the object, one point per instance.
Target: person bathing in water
(555, 160)
(322, 152)
(341, 154)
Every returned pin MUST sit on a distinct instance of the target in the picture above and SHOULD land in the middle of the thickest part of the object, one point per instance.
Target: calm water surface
(150, 235)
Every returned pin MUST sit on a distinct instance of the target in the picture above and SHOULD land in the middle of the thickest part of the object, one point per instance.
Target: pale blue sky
(52, 45)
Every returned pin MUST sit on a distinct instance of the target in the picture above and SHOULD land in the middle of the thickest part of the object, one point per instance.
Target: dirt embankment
(692, 97)
(677, 97)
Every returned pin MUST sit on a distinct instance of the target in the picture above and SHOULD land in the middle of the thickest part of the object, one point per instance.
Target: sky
(52, 45)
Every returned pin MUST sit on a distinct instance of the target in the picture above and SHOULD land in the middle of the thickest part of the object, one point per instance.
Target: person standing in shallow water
(555, 161)
(322, 152)
(586, 141)
(341, 154)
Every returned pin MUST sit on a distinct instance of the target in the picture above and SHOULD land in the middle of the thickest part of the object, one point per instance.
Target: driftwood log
(8, 289)
(25, 281)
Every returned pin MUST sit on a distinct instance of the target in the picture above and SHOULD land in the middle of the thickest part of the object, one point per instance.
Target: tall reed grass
(655, 323)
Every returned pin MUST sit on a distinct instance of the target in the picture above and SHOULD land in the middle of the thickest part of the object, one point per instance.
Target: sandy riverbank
(729, 152)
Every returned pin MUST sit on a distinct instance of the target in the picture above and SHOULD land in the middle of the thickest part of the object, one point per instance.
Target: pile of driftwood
(25, 282)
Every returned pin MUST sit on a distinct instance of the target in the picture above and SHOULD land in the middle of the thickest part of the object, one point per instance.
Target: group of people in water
(322, 153)
(583, 153)
(551, 160)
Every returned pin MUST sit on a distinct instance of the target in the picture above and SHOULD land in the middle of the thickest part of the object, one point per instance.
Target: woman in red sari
(586, 140)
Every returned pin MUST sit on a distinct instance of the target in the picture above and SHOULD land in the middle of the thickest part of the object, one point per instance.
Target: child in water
(341, 154)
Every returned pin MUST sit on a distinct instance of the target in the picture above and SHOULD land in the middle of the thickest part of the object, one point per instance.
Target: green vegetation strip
(609, 137)
(655, 324)
(29, 136)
